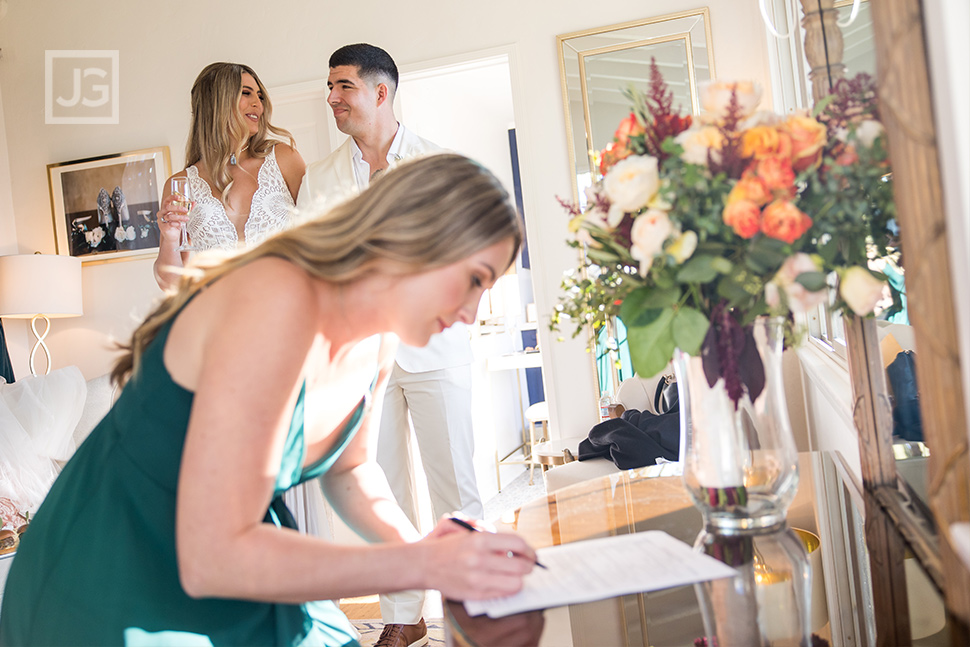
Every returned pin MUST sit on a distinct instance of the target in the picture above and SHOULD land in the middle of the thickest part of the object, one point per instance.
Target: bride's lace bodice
(210, 227)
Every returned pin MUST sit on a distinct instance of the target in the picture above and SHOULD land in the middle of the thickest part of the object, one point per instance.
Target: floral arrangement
(699, 226)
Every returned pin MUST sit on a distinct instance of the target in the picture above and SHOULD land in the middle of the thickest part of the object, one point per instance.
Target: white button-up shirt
(362, 169)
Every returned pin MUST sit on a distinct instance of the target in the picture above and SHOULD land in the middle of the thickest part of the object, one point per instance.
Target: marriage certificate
(602, 568)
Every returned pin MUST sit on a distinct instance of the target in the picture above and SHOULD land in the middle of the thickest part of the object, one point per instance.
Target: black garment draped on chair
(635, 439)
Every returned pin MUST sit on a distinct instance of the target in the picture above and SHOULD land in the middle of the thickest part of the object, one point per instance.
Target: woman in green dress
(262, 371)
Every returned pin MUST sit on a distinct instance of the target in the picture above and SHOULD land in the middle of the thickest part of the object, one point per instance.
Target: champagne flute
(182, 196)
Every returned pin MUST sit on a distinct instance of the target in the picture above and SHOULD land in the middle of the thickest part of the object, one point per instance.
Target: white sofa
(48, 403)
(101, 394)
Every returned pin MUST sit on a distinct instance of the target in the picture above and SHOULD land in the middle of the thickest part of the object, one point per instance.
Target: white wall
(164, 45)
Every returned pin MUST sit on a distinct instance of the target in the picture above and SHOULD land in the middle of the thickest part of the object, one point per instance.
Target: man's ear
(383, 93)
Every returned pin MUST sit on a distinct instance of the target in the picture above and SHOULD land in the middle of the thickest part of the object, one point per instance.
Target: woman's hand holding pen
(467, 565)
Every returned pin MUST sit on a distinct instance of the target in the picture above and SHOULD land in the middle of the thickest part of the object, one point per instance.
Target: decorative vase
(769, 601)
(740, 461)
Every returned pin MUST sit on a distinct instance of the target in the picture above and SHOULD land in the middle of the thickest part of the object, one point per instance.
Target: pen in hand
(468, 526)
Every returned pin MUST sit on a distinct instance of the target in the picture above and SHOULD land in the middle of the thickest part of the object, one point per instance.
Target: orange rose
(765, 141)
(807, 137)
(744, 217)
(784, 221)
(611, 155)
(628, 128)
(777, 175)
(750, 188)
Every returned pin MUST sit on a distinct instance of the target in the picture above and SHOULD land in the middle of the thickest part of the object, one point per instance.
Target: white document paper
(602, 568)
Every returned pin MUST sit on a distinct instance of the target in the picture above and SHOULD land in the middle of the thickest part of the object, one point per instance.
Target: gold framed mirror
(597, 66)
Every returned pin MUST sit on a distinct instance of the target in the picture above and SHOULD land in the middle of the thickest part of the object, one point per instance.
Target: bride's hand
(170, 217)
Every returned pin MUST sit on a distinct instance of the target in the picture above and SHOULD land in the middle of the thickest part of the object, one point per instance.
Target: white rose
(130, 233)
(761, 118)
(861, 290)
(698, 141)
(715, 97)
(632, 182)
(648, 235)
(120, 234)
(615, 216)
(799, 299)
(868, 131)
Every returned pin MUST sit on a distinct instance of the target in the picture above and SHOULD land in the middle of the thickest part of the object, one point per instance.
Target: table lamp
(38, 287)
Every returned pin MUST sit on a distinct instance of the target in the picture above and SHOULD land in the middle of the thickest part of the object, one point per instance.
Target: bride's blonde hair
(423, 214)
(219, 131)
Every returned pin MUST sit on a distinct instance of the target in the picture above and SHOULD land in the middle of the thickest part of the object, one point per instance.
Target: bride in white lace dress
(244, 180)
(244, 183)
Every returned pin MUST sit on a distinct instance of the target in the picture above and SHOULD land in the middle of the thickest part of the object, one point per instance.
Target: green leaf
(699, 269)
(722, 265)
(766, 255)
(690, 327)
(602, 256)
(650, 334)
(733, 288)
(822, 104)
(646, 298)
(828, 252)
(811, 281)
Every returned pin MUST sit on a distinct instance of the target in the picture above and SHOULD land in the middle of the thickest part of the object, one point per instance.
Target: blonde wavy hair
(423, 214)
(219, 130)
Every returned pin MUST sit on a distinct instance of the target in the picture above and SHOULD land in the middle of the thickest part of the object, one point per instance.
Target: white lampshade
(40, 284)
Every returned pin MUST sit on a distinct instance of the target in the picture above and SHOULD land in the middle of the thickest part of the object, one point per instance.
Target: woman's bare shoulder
(289, 158)
(269, 284)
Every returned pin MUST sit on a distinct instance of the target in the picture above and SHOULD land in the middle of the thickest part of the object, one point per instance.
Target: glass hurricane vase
(768, 602)
(740, 460)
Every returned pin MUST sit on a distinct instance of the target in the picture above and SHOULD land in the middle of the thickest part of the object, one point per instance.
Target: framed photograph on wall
(104, 208)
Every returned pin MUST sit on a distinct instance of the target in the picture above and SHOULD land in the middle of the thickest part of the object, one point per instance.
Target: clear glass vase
(740, 460)
(768, 602)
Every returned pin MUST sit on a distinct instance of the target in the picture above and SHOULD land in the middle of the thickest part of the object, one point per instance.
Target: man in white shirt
(432, 383)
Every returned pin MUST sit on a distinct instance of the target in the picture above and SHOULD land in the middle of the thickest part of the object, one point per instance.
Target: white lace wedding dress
(271, 210)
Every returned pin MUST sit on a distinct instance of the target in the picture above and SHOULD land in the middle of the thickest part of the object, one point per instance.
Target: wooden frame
(104, 208)
(904, 90)
(904, 93)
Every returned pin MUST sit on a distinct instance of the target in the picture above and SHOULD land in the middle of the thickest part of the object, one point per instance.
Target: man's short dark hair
(371, 63)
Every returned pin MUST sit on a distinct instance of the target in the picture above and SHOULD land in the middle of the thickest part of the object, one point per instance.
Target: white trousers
(440, 404)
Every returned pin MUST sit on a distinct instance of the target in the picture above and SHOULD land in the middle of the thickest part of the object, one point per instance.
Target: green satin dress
(98, 566)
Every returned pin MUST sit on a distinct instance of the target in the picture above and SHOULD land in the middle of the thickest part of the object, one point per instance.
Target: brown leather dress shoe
(404, 635)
